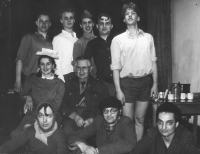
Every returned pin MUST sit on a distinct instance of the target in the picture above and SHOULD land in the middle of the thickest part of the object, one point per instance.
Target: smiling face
(82, 69)
(131, 17)
(166, 124)
(43, 23)
(87, 25)
(67, 20)
(111, 115)
(46, 67)
(104, 25)
(45, 118)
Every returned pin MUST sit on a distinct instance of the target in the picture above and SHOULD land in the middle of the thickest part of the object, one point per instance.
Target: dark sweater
(43, 89)
(57, 143)
(121, 140)
(152, 143)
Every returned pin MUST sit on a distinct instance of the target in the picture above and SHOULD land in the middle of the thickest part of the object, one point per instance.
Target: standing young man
(134, 66)
(26, 60)
(87, 24)
(99, 50)
(64, 44)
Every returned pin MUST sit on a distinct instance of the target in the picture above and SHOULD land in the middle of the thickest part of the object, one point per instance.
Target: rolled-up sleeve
(152, 50)
(23, 49)
(115, 55)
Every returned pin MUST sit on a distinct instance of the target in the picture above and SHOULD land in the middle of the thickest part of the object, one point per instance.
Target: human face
(43, 23)
(82, 69)
(104, 26)
(131, 17)
(167, 124)
(68, 20)
(46, 67)
(87, 25)
(45, 119)
(111, 115)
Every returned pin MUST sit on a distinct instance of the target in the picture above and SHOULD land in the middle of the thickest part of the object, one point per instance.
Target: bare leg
(140, 111)
(128, 110)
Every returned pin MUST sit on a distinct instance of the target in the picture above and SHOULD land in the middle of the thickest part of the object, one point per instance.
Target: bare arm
(154, 89)
(120, 95)
(18, 83)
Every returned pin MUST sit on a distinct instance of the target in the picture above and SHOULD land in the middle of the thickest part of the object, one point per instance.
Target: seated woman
(43, 137)
(42, 86)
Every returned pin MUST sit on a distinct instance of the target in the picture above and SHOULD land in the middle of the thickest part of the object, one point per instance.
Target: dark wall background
(17, 17)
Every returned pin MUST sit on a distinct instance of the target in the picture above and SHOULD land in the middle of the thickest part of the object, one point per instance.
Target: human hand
(29, 104)
(90, 150)
(79, 121)
(121, 97)
(154, 91)
(18, 86)
(88, 122)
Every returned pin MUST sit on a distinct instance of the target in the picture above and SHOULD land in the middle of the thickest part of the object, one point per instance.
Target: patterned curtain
(159, 25)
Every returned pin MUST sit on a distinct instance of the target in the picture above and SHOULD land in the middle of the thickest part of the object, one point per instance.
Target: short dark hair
(131, 6)
(39, 74)
(105, 14)
(169, 108)
(45, 105)
(67, 10)
(82, 58)
(43, 12)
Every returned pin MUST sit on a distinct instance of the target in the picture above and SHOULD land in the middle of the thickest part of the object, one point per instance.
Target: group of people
(94, 87)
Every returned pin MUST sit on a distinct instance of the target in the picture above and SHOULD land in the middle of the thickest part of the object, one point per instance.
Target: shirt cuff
(154, 58)
(115, 67)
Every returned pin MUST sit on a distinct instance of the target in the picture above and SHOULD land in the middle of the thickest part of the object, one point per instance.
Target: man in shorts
(134, 68)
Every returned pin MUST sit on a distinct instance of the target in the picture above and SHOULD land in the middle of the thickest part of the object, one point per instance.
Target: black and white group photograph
(99, 77)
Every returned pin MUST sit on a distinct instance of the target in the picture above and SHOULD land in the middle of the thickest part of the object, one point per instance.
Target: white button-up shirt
(63, 44)
(133, 55)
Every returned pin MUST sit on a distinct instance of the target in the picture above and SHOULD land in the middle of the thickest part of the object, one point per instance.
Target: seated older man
(43, 138)
(82, 96)
(169, 137)
(115, 134)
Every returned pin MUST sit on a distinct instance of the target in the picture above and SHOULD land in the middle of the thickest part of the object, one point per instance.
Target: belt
(136, 77)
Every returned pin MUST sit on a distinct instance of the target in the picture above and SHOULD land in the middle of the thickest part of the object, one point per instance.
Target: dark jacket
(99, 50)
(95, 91)
(152, 143)
(121, 140)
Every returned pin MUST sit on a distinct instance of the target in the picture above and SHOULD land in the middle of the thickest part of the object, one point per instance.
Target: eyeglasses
(112, 111)
(85, 69)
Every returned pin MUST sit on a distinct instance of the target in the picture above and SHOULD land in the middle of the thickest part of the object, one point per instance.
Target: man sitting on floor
(43, 138)
(115, 134)
(169, 137)
(82, 96)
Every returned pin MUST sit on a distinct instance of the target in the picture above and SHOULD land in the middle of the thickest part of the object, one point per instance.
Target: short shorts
(136, 88)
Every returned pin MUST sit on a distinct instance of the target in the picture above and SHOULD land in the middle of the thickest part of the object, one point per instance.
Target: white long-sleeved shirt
(133, 55)
(64, 44)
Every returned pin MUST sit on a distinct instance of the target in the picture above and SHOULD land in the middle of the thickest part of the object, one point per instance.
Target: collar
(49, 78)
(40, 35)
(140, 32)
(108, 39)
(40, 135)
(73, 34)
(109, 128)
(89, 36)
